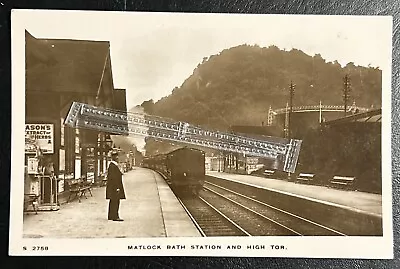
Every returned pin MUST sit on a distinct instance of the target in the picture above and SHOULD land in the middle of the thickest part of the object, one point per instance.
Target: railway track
(313, 217)
(291, 224)
(209, 220)
(219, 211)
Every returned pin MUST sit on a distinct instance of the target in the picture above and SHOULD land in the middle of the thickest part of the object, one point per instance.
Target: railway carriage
(184, 169)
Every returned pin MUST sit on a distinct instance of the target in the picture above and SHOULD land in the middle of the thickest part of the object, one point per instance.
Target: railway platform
(353, 200)
(150, 210)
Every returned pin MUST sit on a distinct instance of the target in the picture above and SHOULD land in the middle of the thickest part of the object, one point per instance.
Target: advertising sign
(61, 185)
(62, 132)
(39, 137)
(33, 165)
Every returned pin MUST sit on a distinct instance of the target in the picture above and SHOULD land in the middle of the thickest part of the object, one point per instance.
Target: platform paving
(359, 201)
(150, 210)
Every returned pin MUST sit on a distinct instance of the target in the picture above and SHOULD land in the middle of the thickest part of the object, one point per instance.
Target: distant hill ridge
(237, 86)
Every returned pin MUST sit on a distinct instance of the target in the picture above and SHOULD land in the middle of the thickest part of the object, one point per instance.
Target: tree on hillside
(148, 106)
(238, 85)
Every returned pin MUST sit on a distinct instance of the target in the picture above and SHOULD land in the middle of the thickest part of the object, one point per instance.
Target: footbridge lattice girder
(126, 123)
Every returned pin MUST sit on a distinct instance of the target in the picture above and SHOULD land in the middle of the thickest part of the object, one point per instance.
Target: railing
(324, 108)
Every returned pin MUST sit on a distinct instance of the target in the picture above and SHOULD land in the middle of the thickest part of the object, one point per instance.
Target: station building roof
(256, 130)
(273, 133)
(120, 99)
(68, 66)
(372, 116)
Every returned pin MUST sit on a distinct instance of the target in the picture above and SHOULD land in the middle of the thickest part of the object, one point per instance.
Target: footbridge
(352, 109)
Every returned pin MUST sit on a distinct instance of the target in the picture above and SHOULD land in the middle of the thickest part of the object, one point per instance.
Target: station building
(238, 163)
(59, 72)
(349, 146)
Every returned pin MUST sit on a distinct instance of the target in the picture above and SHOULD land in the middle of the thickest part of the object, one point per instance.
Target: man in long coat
(114, 190)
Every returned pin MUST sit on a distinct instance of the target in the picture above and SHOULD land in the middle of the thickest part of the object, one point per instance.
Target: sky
(151, 53)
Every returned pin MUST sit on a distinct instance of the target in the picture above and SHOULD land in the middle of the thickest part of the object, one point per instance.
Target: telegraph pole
(291, 95)
(346, 92)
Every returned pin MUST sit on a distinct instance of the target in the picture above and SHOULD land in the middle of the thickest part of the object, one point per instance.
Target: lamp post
(133, 155)
(346, 92)
(134, 158)
(130, 159)
(291, 95)
(245, 163)
(109, 144)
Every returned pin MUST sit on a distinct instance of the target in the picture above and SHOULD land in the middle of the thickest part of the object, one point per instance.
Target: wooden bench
(268, 173)
(79, 189)
(31, 200)
(103, 181)
(342, 181)
(306, 177)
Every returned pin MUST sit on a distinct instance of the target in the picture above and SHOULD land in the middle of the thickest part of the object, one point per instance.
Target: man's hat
(114, 152)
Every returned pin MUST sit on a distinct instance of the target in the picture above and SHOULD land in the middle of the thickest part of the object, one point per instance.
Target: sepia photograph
(137, 133)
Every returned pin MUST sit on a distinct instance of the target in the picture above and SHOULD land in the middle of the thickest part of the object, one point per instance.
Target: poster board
(39, 136)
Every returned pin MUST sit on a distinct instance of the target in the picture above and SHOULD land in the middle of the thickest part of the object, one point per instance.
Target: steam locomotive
(183, 169)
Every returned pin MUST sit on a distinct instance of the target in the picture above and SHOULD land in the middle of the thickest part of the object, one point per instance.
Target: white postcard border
(315, 247)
